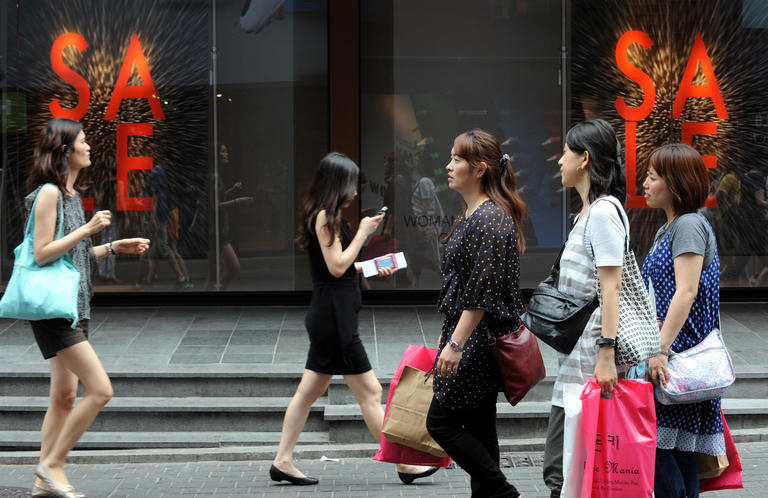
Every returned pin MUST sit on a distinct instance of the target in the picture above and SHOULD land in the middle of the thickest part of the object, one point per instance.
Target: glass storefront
(207, 118)
(683, 71)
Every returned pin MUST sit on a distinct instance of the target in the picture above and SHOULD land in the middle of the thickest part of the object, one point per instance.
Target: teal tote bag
(41, 292)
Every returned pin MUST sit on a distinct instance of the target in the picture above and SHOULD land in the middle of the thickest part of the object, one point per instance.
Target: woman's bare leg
(311, 387)
(62, 393)
(82, 361)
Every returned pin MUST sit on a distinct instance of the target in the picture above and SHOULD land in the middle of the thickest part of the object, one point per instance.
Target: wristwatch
(606, 341)
(455, 346)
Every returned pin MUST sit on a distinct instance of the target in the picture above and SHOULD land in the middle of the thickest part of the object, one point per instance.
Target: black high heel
(278, 475)
(408, 478)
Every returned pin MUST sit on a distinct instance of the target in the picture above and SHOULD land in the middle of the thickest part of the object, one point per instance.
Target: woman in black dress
(479, 297)
(335, 346)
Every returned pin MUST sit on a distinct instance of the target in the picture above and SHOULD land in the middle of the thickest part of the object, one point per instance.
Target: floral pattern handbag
(700, 373)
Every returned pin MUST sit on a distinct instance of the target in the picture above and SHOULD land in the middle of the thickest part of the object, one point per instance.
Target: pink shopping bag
(423, 358)
(620, 436)
(731, 477)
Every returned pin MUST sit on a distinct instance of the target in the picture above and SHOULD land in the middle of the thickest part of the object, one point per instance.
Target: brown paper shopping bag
(406, 421)
(711, 466)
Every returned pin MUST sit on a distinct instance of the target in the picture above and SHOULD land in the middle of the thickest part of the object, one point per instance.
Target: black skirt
(335, 347)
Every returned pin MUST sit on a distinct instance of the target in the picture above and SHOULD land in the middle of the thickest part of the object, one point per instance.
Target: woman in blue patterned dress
(480, 295)
(682, 272)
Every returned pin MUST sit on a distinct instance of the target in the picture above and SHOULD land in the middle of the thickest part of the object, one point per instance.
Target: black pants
(553, 451)
(469, 437)
(677, 475)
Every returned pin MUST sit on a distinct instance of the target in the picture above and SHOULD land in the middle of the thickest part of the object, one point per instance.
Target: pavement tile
(196, 358)
(246, 358)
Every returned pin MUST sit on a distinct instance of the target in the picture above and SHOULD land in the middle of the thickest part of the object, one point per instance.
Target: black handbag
(554, 317)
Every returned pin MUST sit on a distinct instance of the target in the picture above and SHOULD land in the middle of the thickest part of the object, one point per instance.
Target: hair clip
(503, 161)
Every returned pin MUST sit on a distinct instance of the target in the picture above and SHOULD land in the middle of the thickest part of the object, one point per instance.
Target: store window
(204, 118)
(690, 71)
(433, 69)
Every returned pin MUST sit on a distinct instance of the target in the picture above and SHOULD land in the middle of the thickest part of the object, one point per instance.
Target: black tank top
(317, 266)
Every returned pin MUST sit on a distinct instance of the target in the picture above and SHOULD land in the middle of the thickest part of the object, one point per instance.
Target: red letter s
(70, 76)
(635, 74)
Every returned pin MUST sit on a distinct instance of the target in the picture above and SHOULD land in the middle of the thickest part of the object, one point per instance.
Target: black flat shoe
(278, 475)
(408, 478)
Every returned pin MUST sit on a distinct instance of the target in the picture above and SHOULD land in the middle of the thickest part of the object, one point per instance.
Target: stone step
(750, 383)
(530, 419)
(139, 414)
(308, 451)
(265, 414)
(92, 440)
(167, 384)
(340, 394)
(233, 453)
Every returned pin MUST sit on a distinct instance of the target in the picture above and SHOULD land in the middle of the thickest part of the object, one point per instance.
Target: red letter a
(709, 89)
(145, 91)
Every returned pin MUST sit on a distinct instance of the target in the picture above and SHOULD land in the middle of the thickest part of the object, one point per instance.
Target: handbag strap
(626, 226)
(31, 220)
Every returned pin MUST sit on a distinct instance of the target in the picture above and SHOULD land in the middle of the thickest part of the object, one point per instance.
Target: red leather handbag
(519, 362)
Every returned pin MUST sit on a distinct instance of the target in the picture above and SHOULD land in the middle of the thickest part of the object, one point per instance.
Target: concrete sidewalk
(352, 477)
(218, 339)
(270, 343)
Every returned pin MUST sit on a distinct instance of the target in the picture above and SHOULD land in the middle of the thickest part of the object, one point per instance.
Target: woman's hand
(657, 366)
(369, 224)
(100, 221)
(448, 362)
(605, 373)
(385, 272)
(130, 246)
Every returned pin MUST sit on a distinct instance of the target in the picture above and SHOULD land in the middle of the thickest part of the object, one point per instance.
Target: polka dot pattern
(481, 270)
(694, 426)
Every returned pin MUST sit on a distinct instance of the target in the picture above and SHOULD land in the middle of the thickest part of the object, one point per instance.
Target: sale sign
(698, 59)
(134, 58)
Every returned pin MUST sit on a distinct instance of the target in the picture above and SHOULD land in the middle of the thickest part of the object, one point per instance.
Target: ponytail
(499, 181)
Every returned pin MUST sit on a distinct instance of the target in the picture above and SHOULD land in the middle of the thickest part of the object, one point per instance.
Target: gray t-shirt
(74, 218)
(691, 233)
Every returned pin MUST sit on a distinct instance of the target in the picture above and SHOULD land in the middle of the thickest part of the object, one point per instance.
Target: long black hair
(51, 159)
(606, 172)
(334, 183)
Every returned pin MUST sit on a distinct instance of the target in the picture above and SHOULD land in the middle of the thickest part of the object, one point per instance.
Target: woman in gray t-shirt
(682, 271)
(60, 155)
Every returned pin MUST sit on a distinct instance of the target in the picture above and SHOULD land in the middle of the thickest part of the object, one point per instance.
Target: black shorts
(57, 333)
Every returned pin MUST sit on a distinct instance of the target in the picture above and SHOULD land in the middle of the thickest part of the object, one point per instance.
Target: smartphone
(383, 210)
(387, 261)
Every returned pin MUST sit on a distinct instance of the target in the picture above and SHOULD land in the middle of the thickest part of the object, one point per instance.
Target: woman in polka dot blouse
(479, 296)
(682, 272)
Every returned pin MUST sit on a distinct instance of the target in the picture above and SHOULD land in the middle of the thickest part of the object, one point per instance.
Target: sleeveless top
(694, 426)
(318, 268)
(74, 218)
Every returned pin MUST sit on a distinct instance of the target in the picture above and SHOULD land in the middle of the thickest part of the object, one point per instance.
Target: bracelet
(110, 251)
(455, 346)
(666, 353)
(606, 341)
